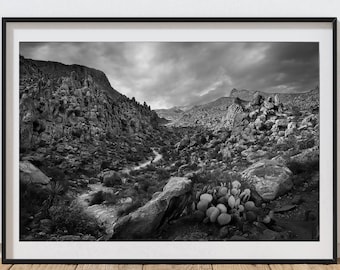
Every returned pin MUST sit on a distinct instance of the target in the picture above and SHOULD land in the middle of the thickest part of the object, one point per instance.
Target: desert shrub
(133, 157)
(146, 183)
(151, 168)
(303, 172)
(309, 143)
(164, 150)
(97, 198)
(32, 199)
(110, 197)
(105, 165)
(111, 179)
(153, 189)
(101, 196)
(72, 220)
(109, 136)
(55, 173)
(163, 174)
(200, 178)
(57, 176)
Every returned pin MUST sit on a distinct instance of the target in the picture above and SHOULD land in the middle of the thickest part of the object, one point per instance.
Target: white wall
(173, 8)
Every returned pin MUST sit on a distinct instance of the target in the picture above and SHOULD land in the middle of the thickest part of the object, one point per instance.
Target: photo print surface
(169, 141)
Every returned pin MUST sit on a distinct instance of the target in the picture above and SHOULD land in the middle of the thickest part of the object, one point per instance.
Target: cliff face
(73, 108)
(55, 71)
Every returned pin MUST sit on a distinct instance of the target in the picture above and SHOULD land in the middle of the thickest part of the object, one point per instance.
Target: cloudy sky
(180, 74)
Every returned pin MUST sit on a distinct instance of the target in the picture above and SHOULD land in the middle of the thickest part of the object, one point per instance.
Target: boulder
(277, 100)
(310, 120)
(232, 115)
(281, 123)
(268, 105)
(29, 174)
(291, 128)
(257, 99)
(259, 124)
(268, 178)
(148, 219)
(253, 114)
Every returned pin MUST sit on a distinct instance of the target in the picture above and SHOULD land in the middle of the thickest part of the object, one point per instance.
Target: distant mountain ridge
(211, 113)
(286, 97)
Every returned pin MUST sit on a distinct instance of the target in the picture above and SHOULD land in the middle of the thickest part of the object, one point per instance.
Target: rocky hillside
(55, 71)
(71, 118)
(270, 149)
(207, 114)
(214, 114)
(170, 114)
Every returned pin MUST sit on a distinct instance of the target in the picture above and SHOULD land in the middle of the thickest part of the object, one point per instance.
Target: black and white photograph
(169, 141)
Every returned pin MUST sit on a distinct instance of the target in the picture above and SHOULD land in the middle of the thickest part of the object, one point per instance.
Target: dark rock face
(165, 206)
(69, 113)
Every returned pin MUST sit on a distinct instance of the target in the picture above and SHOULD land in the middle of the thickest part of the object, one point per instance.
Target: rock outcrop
(233, 116)
(269, 178)
(148, 219)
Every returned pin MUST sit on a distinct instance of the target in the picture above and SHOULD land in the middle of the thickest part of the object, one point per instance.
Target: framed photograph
(169, 140)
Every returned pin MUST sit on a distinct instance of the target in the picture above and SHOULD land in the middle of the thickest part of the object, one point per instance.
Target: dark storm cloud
(177, 74)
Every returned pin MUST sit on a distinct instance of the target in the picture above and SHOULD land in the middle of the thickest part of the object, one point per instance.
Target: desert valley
(96, 165)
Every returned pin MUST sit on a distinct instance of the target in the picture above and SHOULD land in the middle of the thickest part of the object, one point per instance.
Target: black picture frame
(5, 179)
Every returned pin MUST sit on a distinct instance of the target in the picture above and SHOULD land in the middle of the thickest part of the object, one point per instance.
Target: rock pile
(256, 141)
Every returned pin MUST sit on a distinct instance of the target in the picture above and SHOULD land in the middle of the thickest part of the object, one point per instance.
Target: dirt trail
(107, 214)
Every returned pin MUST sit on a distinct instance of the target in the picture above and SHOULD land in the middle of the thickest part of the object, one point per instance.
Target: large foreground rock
(269, 178)
(29, 174)
(308, 155)
(146, 220)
